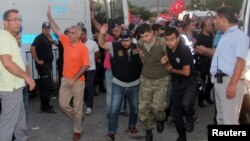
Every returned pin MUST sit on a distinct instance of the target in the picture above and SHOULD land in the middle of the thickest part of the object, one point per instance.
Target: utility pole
(158, 8)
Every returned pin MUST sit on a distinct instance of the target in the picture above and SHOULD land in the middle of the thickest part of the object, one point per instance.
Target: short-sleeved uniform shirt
(43, 48)
(180, 58)
(233, 43)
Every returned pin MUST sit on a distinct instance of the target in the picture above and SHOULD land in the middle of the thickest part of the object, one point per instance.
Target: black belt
(174, 79)
(222, 74)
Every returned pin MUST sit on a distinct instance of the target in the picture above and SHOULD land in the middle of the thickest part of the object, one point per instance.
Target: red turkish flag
(178, 7)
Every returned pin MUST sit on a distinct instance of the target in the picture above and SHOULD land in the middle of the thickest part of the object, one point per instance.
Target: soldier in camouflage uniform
(154, 81)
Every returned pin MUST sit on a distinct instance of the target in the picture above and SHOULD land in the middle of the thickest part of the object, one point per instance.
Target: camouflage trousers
(152, 101)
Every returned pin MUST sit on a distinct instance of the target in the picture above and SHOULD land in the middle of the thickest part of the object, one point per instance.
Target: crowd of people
(159, 69)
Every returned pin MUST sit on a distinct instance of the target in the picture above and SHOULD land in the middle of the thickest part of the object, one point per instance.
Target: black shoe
(168, 113)
(182, 134)
(50, 106)
(181, 139)
(103, 90)
(149, 135)
(209, 101)
(50, 111)
(201, 104)
(160, 126)
(189, 127)
(96, 94)
(195, 118)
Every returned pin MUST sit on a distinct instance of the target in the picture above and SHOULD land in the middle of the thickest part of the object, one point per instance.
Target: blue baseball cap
(125, 35)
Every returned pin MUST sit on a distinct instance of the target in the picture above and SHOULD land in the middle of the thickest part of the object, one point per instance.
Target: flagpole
(158, 8)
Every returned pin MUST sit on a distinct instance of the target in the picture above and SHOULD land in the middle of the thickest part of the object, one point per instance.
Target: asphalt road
(57, 127)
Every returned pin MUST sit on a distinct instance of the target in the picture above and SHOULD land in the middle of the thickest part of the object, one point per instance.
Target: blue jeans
(108, 78)
(26, 101)
(118, 96)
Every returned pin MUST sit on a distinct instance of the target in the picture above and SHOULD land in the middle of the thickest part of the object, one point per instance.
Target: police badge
(178, 60)
(120, 53)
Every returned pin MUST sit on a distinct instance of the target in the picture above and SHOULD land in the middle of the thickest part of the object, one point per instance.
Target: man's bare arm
(27, 69)
(97, 56)
(185, 71)
(208, 52)
(95, 22)
(53, 24)
(238, 69)
(34, 54)
(14, 69)
(101, 40)
(232, 86)
(80, 72)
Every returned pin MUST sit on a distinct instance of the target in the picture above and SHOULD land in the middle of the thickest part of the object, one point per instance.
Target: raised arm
(101, 40)
(14, 69)
(53, 24)
(202, 50)
(94, 21)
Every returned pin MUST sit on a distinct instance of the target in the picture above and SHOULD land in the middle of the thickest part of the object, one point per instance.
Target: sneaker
(88, 111)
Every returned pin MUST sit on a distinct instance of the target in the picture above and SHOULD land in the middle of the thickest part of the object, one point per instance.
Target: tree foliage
(235, 4)
(137, 10)
(214, 4)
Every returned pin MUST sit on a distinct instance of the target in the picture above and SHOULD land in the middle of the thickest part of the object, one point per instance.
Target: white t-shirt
(93, 48)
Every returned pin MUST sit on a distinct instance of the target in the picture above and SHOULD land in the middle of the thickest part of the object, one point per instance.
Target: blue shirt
(217, 38)
(233, 43)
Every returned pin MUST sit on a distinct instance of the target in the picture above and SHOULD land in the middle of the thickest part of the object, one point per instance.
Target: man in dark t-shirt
(179, 62)
(41, 50)
(205, 39)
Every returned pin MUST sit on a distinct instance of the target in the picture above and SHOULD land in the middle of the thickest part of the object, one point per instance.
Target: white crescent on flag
(177, 6)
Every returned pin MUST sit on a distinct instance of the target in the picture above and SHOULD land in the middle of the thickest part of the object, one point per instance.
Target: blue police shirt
(233, 43)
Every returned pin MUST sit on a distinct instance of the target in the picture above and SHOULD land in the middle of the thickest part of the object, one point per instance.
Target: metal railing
(54, 72)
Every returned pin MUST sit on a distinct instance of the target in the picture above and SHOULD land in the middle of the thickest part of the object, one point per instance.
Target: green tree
(214, 4)
(137, 10)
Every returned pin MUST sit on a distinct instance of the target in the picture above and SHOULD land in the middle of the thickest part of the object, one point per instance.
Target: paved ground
(57, 127)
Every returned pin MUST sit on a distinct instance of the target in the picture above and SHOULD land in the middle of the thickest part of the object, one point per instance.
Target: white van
(34, 13)
(190, 14)
(65, 12)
